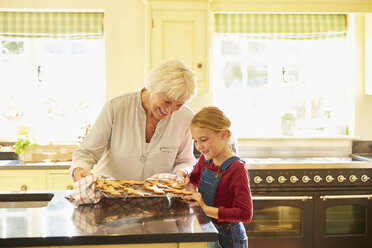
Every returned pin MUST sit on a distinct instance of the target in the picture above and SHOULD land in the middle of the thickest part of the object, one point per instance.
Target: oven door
(343, 219)
(281, 220)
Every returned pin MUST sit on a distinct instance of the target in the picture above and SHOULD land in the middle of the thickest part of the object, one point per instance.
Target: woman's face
(163, 106)
(208, 142)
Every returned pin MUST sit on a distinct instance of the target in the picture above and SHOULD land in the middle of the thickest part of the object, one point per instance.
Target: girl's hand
(209, 211)
(188, 184)
(196, 197)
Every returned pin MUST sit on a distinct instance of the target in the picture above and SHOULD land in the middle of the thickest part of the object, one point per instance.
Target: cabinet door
(59, 180)
(22, 180)
(181, 34)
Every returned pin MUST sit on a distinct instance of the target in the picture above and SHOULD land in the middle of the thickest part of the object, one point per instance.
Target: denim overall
(229, 235)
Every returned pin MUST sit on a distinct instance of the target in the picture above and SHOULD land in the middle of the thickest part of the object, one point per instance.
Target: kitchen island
(134, 222)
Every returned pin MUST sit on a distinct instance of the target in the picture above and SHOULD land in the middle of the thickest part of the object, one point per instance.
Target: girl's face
(209, 142)
(162, 106)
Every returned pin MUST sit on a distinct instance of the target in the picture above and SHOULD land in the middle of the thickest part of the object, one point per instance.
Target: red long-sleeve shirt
(233, 195)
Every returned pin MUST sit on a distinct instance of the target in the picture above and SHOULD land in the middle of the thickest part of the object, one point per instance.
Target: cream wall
(124, 23)
(363, 102)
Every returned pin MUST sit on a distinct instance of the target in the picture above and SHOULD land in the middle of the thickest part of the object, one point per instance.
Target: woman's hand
(79, 173)
(181, 173)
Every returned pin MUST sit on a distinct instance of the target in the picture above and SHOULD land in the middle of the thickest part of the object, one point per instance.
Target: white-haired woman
(142, 133)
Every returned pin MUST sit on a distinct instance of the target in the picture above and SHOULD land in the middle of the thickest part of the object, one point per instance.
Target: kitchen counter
(112, 221)
(17, 164)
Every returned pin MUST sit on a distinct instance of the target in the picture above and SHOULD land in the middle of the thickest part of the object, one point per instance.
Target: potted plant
(21, 145)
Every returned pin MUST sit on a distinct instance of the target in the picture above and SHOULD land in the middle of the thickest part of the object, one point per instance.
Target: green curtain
(282, 26)
(56, 25)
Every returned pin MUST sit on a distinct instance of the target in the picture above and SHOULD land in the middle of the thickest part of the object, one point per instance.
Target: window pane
(12, 47)
(274, 79)
(257, 74)
(232, 75)
(52, 89)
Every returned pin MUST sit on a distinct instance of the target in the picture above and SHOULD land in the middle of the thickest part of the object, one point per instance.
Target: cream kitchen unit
(59, 179)
(26, 177)
(179, 29)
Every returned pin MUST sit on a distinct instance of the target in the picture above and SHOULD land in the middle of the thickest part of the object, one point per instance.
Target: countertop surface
(111, 221)
(17, 164)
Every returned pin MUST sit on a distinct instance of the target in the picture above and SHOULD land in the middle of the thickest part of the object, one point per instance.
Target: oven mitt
(167, 176)
(85, 190)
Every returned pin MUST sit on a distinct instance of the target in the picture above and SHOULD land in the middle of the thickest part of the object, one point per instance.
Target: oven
(311, 205)
(281, 218)
(343, 218)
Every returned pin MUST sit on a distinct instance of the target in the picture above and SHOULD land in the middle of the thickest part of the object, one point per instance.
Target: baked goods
(148, 188)
(136, 192)
(131, 182)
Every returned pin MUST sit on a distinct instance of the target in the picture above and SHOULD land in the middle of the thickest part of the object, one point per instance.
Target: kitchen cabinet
(59, 179)
(179, 29)
(23, 179)
(35, 179)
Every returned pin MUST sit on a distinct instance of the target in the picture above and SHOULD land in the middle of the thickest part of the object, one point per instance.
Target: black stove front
(311, 205)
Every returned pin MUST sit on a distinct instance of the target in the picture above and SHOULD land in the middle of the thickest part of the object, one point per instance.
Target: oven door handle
(285, 198)
(336, 197)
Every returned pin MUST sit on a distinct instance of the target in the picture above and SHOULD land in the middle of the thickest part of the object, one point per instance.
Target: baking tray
(149, 192)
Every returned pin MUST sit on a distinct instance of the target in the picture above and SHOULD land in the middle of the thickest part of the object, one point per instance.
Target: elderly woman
(143, 133)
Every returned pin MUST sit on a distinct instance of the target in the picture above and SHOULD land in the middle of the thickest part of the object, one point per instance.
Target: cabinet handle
(70, 187)
(199, 65)
(24, 187)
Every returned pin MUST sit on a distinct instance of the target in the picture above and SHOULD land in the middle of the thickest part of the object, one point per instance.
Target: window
(51, 88)
(279, 86)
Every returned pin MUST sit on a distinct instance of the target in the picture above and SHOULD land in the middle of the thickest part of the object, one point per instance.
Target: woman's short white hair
(173, 78)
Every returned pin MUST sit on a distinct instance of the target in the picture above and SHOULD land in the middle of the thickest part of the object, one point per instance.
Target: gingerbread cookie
(111, 190)
(131, 182)
(132, 191)
(154, 189)
(152, 181)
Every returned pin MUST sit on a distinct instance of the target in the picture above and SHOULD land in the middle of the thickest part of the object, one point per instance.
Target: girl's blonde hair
(214, 119)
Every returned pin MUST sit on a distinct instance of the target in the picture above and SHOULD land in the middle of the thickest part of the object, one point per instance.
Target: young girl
(220, 177)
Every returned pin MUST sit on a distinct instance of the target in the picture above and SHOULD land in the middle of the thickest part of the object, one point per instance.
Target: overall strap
(225, 165)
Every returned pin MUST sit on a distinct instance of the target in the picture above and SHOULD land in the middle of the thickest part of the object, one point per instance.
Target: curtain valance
(59, 25)
(282, 26)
